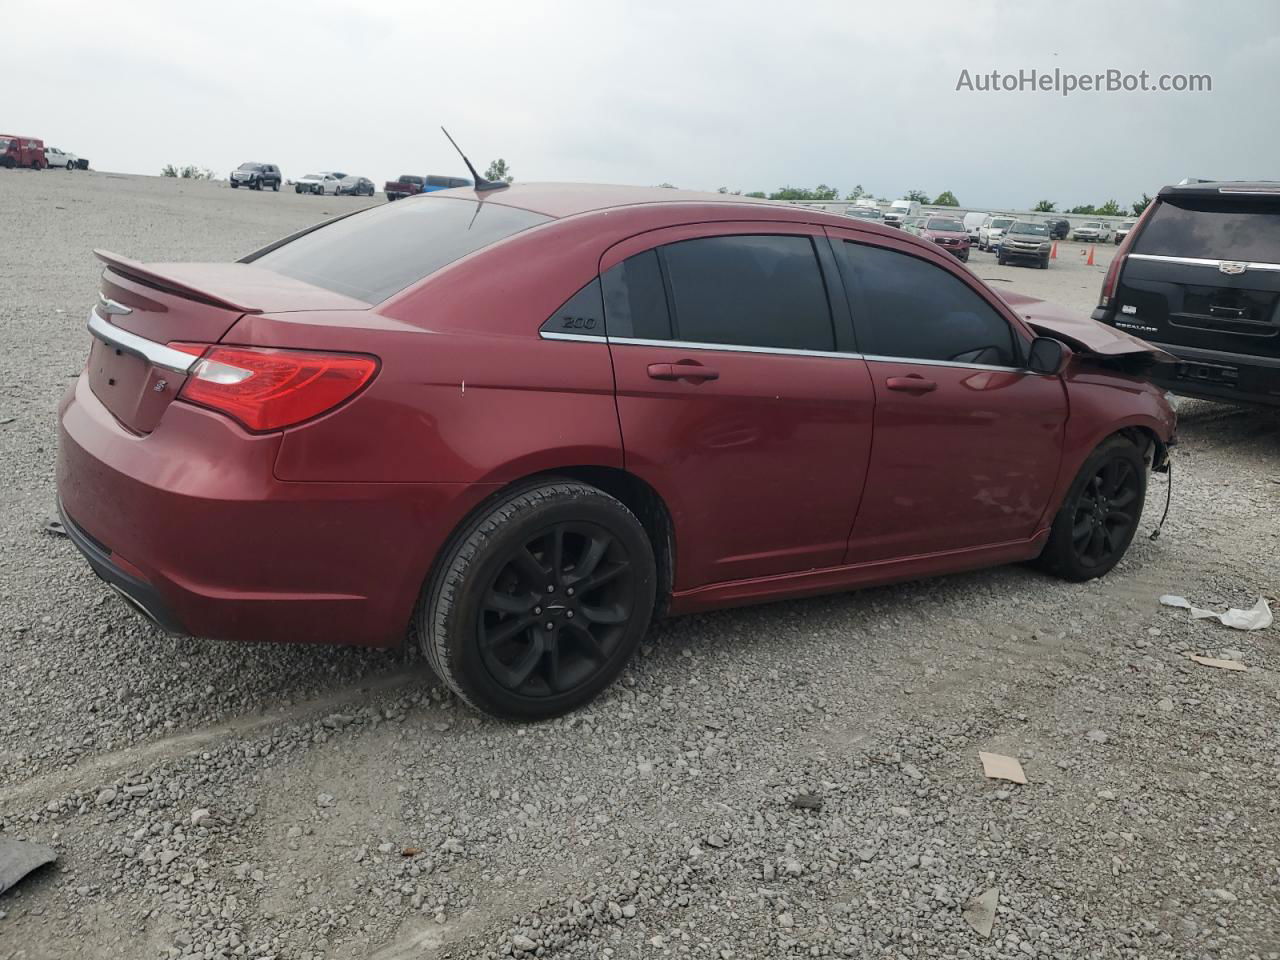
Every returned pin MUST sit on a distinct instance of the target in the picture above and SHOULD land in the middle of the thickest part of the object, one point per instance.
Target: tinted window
(755, 291)
(635, 301)
(1213, 230)
(908, 307)
(380, 251)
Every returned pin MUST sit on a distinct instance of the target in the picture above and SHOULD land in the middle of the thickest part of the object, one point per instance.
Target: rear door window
(378, 252)
(752, 291)
(908, 308)
(635, 299)
(1212, 230)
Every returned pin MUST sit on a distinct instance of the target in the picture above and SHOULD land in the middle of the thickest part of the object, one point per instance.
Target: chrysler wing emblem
(1232, 268)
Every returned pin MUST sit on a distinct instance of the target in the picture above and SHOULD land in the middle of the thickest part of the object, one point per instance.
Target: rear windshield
(406, 178)
(1213, 230)
(250, 166)
(380, 251)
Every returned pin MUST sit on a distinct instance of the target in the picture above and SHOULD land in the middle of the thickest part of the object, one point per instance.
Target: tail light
(1112, 278)
(268, 389)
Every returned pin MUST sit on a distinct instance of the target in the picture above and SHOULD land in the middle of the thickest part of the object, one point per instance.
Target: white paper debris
(1257, 617)
(980, 911)
(996, 766)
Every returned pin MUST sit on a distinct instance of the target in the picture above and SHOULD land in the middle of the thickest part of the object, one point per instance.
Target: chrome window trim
(777, 351)
(731, 347)
(945, 363)
(584, 337)
(1201, 262)
(154, 353)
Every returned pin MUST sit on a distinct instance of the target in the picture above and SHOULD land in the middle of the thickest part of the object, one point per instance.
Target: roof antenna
(481, 183)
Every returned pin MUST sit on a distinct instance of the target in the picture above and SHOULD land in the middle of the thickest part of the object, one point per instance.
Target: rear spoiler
(166, 277)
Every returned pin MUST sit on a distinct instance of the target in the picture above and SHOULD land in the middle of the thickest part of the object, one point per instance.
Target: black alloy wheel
(538, 602)
(1104, 519)
(557, 610)
(1100, 514)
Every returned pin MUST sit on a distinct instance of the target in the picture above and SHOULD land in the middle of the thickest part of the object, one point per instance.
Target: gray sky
(744, 94)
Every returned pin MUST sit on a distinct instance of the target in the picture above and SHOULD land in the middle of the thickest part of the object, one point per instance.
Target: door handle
(683, 370)
(911, 383)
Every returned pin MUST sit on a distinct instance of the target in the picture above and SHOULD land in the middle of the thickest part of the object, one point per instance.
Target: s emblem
(1232, 268)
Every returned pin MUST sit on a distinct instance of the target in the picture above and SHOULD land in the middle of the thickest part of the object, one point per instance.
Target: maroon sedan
(527, 421)
(948, 233)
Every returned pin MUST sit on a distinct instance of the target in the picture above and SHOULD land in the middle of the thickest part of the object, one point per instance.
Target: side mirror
(1047, 356)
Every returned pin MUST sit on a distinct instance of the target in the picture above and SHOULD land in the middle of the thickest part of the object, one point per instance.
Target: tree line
(945, 199)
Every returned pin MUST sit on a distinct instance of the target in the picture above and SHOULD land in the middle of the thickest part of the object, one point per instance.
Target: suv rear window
(1213, 230)
(380, 251)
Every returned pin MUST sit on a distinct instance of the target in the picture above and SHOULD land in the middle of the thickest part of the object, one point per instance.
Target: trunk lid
(1204, 272)
(181, 302)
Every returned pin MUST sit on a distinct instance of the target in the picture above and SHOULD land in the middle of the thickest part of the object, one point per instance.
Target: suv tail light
(268, 389)
(1112, 278)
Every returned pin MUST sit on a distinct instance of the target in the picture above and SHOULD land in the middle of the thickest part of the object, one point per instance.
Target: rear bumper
(190, 523)
(1219, 375)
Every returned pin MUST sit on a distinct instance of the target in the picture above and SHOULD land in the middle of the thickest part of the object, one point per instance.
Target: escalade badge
(1232, 267)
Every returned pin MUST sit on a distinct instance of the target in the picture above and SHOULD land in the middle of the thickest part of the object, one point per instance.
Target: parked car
(992, 229)
(899, 210)
(865, 213)
(972, 223)
(406, 185)
(1059, 227)
(255, 176)
(948, 233)
(436, 182)
(318, 183)
(1199, 275)
(1024, 240)
(912, 225)
(1092, 231)
(61, 159)
(16, 151)
(356, 186)
(1122, 231)
(766, 419)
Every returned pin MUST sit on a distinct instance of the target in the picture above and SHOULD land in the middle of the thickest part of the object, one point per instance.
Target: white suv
(60, 158)
(992, 230)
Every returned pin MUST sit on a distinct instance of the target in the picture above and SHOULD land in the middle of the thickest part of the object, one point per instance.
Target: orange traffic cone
(1053, 252)
(1089, 262)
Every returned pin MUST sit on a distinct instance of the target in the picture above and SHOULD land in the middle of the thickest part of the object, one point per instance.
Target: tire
(297, 188)
(1001, 260)
(8, 163)
(1081, 525)
(71, 165)
(1044, 263)
(497, 573)
(234, 185)
(276, 186)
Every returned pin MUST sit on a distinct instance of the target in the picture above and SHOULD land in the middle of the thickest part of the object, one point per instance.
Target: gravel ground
(799, 779)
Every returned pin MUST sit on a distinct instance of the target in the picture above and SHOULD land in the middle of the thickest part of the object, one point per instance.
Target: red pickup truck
(406, 186)
(22, 152)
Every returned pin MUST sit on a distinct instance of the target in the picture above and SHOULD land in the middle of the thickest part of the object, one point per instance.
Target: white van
(992, 229)
(899, 210)
(972, 221)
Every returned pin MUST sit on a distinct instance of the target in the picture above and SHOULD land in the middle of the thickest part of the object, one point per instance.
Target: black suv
(1059, 227)
(255, 176)
(1199, 275)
